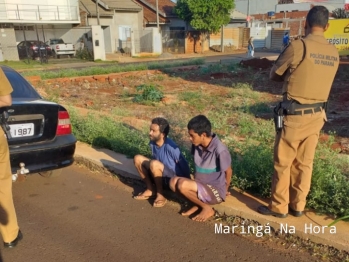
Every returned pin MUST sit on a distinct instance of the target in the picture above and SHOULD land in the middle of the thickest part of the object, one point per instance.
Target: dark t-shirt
(170, 155)
(211, 164)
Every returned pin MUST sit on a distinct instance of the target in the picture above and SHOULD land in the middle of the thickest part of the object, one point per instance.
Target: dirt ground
(115, 97)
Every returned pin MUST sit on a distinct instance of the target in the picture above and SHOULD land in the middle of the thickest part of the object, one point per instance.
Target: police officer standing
(8, 220)
(307, 67)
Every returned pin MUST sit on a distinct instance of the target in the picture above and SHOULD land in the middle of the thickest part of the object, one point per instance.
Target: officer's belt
(300, 109)
(308, 111)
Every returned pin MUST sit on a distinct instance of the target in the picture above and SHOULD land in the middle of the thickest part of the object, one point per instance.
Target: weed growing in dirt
(148, 93)
(195, 99)
(52, 94)
(244, 90)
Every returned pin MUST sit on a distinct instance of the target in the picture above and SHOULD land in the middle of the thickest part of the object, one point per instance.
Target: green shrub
(253, 168)
(104, 132)
(329, 192)
(84, 54)
(148, 93)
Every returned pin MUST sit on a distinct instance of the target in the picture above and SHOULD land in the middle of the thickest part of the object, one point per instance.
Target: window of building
(24, 27)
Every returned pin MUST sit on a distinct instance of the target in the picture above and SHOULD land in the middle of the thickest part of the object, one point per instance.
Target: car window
(57, 41)
(21, 88)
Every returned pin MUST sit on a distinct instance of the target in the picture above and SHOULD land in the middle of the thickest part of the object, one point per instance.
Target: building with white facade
(35, 20)
(264, 6)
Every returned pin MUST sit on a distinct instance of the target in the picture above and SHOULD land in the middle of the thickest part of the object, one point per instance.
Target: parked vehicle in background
(40, 136)
(60, 48)
(33, 49)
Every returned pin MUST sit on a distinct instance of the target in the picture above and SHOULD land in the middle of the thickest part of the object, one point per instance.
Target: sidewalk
(310, 226)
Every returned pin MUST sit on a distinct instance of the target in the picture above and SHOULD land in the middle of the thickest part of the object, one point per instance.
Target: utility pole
(97, 10)
(248, 14)
(157, 15)
(222, 39)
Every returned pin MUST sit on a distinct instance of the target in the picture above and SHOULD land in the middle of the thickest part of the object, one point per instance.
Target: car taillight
(64, 125)
(57, 46)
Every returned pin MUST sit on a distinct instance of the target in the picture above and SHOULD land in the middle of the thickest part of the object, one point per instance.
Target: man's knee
(137, 159)
(182, 185)
(156, 165)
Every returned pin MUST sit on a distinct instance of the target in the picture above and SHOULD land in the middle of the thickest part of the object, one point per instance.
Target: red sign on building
(346, 7)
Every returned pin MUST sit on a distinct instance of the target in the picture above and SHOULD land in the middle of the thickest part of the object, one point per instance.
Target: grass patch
(23, 64)
(194, 99)
(104, 132)
(110, 69)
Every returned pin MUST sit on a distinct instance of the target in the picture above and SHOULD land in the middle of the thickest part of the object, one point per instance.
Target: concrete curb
(239, 204)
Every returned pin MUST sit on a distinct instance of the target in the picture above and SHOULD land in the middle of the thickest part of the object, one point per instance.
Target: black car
(41, 136)
(33, 49)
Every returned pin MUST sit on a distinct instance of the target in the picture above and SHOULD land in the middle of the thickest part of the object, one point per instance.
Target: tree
(340, 13)
(206, 16)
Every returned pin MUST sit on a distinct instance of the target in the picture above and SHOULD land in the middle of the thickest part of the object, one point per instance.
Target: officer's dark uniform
(10, 229)
(308, 68)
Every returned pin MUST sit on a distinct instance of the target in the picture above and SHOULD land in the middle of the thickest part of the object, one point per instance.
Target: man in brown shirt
(10, 231)
(307, 67)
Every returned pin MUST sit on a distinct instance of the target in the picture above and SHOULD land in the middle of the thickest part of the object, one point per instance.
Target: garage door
(277, 35)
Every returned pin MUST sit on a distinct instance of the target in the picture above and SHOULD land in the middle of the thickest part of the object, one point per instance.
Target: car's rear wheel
(51, 173)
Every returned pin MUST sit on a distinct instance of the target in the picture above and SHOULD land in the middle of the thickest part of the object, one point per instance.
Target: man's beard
(155, 138)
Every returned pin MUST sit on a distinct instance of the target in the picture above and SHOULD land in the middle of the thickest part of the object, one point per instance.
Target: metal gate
(173, 41)
(259, 36)
(277, 35)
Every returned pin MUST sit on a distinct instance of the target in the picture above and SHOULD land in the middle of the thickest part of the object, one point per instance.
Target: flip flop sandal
(142, 197)
(160, 203)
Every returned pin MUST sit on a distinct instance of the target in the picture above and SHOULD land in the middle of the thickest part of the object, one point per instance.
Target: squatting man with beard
(167, 162)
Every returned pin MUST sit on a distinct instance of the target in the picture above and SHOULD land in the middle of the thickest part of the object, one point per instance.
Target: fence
(143, 40)
(38, 12)
(173, 41)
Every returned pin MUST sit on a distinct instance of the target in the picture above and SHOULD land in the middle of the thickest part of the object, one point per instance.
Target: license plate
(22, 130)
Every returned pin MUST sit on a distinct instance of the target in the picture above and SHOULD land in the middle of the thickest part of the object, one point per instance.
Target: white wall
(256, 6)
(39, 10)
(98, 42)
(132, 20)
(331, 5)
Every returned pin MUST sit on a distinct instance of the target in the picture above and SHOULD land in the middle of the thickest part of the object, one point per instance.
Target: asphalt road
(225, 58)
(85, 216)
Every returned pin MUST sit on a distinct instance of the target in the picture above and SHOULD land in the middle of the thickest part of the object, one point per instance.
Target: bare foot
(191, 211)
(205, 214)
(145, 195)
(160, 201)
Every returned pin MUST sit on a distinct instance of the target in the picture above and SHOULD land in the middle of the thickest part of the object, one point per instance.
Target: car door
(21, 49)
